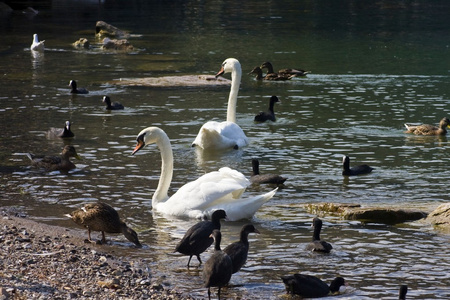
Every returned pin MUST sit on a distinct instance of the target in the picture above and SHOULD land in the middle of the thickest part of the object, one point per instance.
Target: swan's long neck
(165, 179)
(236, 75)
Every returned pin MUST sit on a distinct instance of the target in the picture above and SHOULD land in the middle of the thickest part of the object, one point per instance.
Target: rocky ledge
(39, 261)
(371, 214)
(440, 217)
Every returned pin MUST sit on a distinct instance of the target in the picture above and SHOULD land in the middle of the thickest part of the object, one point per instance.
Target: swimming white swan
(36, 45)
(221, 189)
(225, 135)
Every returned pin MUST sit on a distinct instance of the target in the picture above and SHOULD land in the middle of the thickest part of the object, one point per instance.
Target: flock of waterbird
(223, 197)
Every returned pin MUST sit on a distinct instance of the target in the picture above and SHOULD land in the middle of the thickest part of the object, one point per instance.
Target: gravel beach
(40, 261)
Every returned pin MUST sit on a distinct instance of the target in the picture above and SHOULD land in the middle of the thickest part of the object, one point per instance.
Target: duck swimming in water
(426, 129)
(55, 163)
(290, 73)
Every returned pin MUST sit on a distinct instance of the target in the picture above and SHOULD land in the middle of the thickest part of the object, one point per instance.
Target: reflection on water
(355, 102)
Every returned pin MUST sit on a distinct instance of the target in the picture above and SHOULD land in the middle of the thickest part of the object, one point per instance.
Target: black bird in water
(256, 177)
(218, 268)
(197, 239)
(238, 251)
(402, 292)
(75, 90)
(317, 244)
(358, 170)
(113, 105)
(268, 115)
(308, 286)
(56, 133)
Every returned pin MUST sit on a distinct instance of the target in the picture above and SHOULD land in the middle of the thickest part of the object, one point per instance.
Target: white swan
(36, 45)
(225, 135)
(221, 189)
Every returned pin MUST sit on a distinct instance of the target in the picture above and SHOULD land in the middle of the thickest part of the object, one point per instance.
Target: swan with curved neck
(220, 189)
(225, 135)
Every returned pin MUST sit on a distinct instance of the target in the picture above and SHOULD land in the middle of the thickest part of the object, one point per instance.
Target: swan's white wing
(220, 135)
(232, 131)
(243, 208)
(210, 190)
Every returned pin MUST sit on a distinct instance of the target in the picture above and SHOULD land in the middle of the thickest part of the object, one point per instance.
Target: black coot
(218, 268)
(268, 115)
(197, 239)
(317, 244)
(238, 251)
(308, 286)
(357, 170)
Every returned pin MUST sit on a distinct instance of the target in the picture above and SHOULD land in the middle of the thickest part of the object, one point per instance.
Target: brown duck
(269, 76)
(102, 217)
(426, 129)
(289, 73)
(55, 163)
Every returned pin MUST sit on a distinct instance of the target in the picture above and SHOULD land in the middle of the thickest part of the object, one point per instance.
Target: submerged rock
(440, 217)
(5, 9)
(82, 43)
(103, 29)
(384, 215)
(121, 45)
(372, 214)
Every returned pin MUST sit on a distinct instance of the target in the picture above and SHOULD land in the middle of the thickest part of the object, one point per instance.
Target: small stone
(157, 287)
(145, 282)
(88, 293)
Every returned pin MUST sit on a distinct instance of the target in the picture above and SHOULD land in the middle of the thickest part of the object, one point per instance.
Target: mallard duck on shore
(426, 129)
(290, 73)
(65, 132)
(54, 163)
(102, 217)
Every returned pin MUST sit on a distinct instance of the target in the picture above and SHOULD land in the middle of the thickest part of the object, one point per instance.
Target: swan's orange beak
(220, 72)
(139, 146)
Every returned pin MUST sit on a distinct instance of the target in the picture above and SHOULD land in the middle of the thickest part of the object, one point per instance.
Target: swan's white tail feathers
(247, 207)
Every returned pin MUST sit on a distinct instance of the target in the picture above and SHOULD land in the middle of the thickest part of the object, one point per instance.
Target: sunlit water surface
(365, 83)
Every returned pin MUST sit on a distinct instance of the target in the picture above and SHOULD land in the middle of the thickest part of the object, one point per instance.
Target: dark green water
(373, 67)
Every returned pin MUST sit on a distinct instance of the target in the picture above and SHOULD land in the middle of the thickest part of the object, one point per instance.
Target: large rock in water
(374, 214)
(103, 29)
(440, 217)
(384, 215)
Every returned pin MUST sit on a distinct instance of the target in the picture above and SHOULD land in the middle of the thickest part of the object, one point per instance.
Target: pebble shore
(40, 261)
